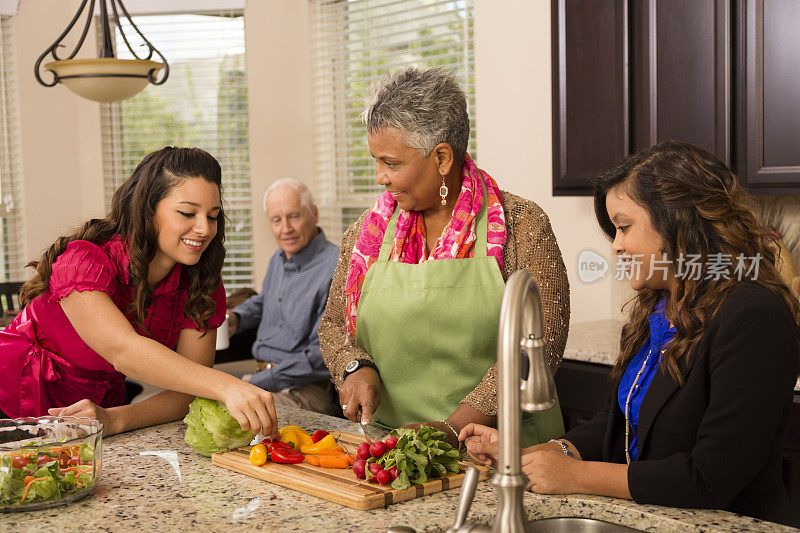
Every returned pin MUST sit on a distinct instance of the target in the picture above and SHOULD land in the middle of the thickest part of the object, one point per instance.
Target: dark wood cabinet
(723, 74)
(583, 389)
(590, 90)
(768, 94)
(681, 73)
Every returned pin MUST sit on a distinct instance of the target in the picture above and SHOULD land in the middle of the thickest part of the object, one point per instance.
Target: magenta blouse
(43, 361)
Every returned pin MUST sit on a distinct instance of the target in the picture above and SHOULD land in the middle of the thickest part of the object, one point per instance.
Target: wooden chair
(9, 296)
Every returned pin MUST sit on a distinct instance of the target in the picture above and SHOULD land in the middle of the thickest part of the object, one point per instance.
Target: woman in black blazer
(708, 358)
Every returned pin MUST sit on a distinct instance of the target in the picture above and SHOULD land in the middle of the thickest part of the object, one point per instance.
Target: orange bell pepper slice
(331, 451)
(331, 461)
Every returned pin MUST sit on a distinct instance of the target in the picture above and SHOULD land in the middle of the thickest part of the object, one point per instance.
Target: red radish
(391, 442)
(377, 449)
(394, 472)
(373, 479)
(384, 477)
(359, 469)
(374, 468)
(319, 435)
(363, 451)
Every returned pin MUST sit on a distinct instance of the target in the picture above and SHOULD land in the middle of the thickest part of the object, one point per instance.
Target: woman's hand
(88, 409)
(551, 472)
(481, 443)
(361, 389)
(252, 407)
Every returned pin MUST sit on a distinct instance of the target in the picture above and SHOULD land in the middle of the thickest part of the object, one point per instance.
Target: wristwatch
(357, 364)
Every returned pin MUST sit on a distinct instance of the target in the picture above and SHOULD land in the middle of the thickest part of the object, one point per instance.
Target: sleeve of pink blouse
(219, 312)
(83, 266)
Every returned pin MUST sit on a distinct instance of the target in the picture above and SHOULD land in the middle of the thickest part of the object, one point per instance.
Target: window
(354, 43)
(11, 219)
(202, 104)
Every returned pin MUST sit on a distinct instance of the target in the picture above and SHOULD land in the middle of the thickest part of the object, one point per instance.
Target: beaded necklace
(628, 405)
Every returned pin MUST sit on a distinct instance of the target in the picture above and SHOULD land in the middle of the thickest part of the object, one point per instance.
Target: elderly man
(287, 313)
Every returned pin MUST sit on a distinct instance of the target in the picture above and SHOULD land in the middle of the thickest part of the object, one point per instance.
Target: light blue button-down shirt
(288, 312)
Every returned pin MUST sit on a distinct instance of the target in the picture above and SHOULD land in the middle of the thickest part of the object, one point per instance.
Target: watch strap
(362, 363)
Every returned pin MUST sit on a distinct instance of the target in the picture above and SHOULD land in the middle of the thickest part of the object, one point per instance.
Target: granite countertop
(594, 342)
(142, 493)
(598, 342)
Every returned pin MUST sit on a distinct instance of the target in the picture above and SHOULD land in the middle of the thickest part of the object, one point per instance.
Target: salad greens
(211, 428)
(418, 456)
(39, 474)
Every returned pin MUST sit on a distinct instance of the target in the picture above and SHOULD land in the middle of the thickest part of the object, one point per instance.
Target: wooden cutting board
(335, 484)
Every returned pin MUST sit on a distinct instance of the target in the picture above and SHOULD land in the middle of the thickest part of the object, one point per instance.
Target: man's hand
(361, 389)
(233, 323)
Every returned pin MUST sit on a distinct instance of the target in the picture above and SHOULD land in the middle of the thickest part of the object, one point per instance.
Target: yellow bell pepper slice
(325, 443)
(284, 429)
(292, 437)
(302, 436)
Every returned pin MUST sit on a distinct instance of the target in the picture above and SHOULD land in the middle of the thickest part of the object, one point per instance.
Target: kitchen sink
(576, 525)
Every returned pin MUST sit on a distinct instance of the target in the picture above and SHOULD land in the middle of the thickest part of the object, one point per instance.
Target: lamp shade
(104, 79)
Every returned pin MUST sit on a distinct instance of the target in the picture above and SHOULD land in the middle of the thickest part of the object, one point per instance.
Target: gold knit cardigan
(530, 245)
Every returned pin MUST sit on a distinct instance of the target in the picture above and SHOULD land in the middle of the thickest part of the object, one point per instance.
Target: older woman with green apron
(410, 329)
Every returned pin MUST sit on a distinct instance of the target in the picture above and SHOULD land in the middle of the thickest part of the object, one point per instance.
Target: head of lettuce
(211, 428)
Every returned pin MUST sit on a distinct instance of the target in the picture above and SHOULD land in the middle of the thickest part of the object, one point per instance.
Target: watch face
(351, 366)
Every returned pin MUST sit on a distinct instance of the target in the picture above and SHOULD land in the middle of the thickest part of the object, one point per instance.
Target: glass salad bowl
(48, 461)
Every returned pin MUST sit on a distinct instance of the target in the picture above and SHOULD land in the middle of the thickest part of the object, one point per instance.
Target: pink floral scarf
(410, 246)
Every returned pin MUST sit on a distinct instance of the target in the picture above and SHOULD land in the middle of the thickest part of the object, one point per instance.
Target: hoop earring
(443, 190)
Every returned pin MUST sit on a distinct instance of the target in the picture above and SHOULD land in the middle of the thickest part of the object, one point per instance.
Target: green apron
(431, 329)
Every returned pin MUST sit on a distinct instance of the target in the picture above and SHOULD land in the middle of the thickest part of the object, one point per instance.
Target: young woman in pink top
(136, 294)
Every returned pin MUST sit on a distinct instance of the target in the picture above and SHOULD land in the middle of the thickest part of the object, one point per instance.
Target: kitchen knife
(363, 428)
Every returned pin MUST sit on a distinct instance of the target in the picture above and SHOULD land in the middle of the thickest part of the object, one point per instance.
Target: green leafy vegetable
(86, 453)
(211, 428)
(419, 455)
(46, 482)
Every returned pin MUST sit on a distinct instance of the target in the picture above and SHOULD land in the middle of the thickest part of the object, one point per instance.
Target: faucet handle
(465, 498)
(538, 392)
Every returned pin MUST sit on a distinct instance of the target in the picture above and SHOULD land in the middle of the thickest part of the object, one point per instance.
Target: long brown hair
(132, 210)
(697, 207)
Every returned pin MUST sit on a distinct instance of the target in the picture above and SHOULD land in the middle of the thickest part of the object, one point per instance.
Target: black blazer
(714, 442)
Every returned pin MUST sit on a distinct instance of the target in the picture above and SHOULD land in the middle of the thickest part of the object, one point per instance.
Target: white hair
(306, 200)
(427, 105)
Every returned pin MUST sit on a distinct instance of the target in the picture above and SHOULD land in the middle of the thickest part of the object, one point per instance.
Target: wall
(60, 134)
(62, 158)
(279, 96)
(513, 86)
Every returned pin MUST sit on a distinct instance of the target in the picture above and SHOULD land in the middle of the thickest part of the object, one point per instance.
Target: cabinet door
(768, 125)
(590, 91)
(681, 76)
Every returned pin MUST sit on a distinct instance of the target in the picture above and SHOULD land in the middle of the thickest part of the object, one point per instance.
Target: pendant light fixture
(105, 79)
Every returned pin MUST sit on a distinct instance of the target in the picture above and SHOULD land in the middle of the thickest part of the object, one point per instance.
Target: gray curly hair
(427, 105)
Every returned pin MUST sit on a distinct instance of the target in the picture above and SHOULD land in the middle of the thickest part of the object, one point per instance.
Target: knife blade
(362, 427)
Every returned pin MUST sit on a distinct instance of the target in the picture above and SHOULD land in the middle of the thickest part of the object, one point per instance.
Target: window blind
(355, 42)
(202, 104)
(12, 226)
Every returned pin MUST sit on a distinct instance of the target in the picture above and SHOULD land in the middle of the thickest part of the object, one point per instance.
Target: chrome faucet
(520, 332)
